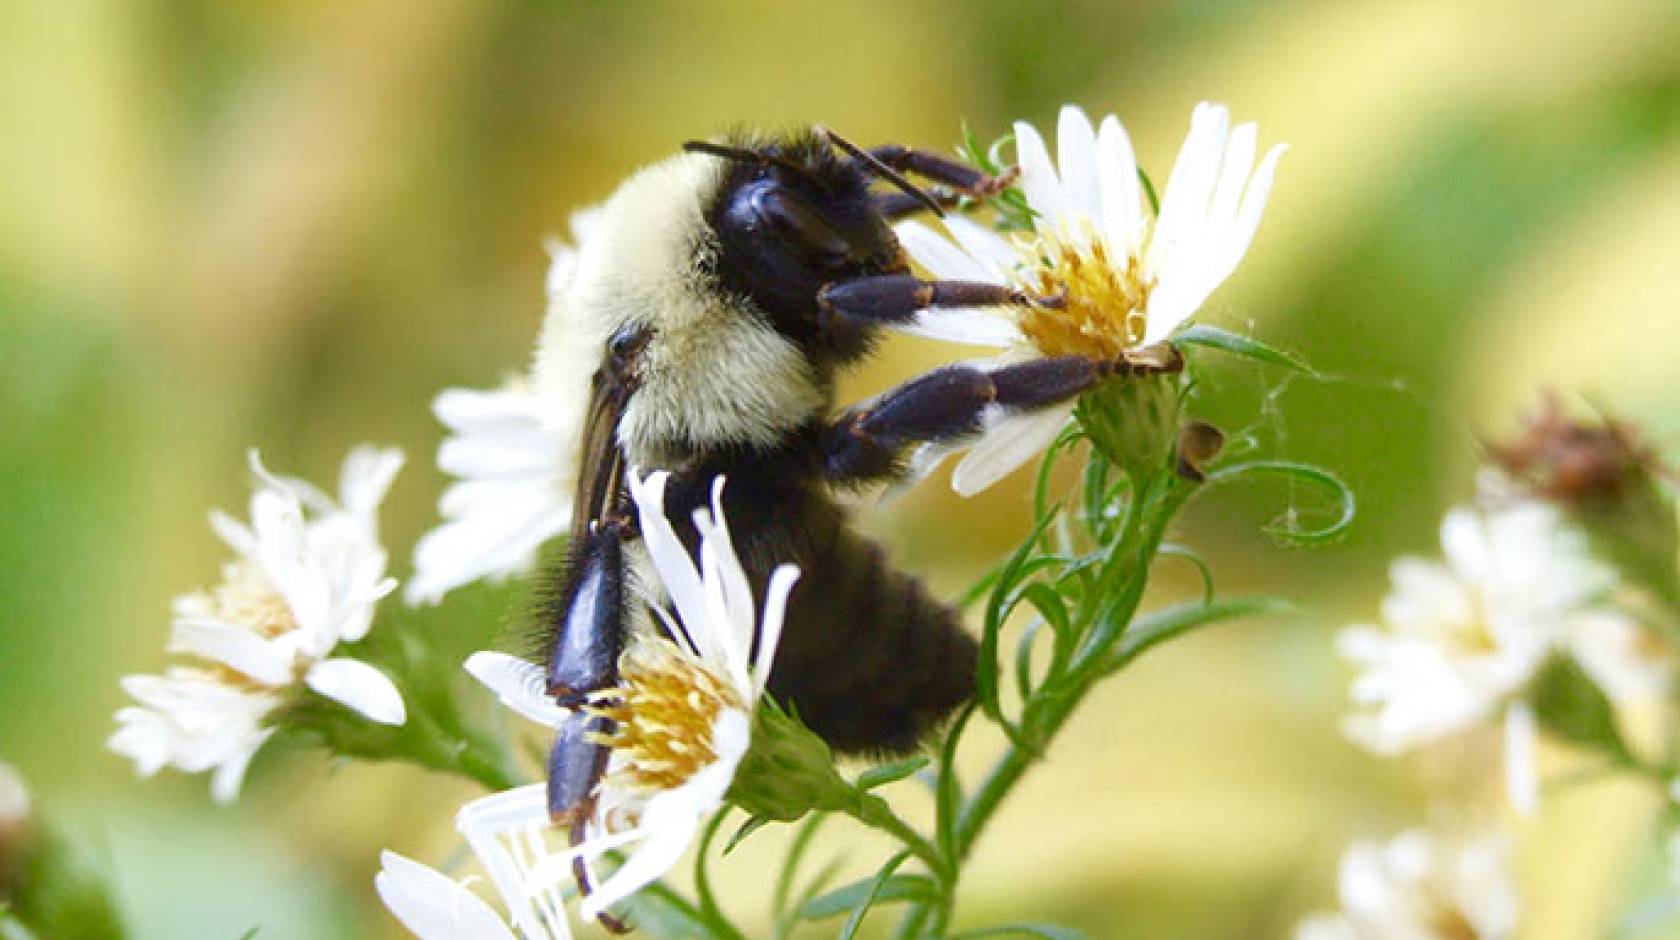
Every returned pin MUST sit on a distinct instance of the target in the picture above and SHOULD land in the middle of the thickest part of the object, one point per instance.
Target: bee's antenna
(882, 170)
(742, 155)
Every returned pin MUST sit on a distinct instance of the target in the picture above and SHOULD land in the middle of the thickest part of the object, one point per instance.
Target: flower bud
(1134, 421)
(788, 771)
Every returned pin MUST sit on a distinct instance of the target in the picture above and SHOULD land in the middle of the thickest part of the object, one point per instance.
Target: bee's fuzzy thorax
(714, 373)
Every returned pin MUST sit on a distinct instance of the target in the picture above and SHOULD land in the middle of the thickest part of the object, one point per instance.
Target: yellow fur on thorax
(713, 372)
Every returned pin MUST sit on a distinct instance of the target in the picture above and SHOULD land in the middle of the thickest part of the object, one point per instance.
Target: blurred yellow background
(288, 225)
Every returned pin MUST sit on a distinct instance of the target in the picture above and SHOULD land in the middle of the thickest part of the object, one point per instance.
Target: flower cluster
(1463, 641)
(305, 578)
(1532, 621)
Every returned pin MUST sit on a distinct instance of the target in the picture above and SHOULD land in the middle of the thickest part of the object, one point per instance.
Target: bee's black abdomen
(870, 659)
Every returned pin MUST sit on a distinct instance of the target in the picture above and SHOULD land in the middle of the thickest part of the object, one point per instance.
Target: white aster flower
(682, 715)
(1129, 280)
(1461, 640)
(1422, 887)
(306, 575)
(514, 465)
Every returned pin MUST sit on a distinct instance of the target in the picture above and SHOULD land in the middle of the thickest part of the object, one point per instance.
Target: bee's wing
(600, 460)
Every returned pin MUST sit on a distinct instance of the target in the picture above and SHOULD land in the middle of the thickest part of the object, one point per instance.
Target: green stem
(875, 813)
(464, 754)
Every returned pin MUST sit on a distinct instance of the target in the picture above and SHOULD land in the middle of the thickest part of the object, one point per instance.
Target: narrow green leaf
(1290, 531)
(1162, 625)
(1572, 706)
(948, 796)
(1213, 337)
(1196, 561)
(709, 908)
(997, 610)
(1053, 609)
(890, 773)
(1046, 931)
(790, 865)
(882, 878)
(868, 891)
(250, 934)
(749, 827)
(1024, 658)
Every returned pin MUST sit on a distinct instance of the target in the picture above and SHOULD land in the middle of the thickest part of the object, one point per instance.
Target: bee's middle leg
(945, 405)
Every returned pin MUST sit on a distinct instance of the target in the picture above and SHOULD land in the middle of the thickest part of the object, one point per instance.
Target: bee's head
(792, 215)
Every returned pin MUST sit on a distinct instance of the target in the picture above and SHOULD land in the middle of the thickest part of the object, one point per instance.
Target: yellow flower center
(246, 597)
(663, 710)
(1104, 311)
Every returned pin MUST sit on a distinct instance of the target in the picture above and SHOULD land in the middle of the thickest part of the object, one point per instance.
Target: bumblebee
(715, 300)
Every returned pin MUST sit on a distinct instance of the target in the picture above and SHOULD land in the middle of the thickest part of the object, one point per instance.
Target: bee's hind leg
(590, 625)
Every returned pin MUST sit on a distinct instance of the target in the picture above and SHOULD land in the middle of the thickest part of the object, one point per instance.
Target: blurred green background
(289, 224)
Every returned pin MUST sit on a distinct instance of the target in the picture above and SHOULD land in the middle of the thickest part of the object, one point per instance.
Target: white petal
(782, 581)
(1076, 152)
(942, 259)
(1010, 442)
(520, 685)
(433, 906)
(995, 255)
(1235, 167)
(1185, 203)
(304, 492)
(236, 534)
(1038, 177)
(649, 862)
(1465, 543)
(496, 408)
(360, 687)
(728, 593)
(971, 325)
(366, 477)
(1247, 221)
(230, 774)
(237, 648)
(485, 545)
(1122, 194)
(1522, 774)
(493, 825)
(670, 559)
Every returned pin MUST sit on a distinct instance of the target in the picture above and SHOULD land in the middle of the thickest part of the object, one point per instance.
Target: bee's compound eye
(797, 222)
